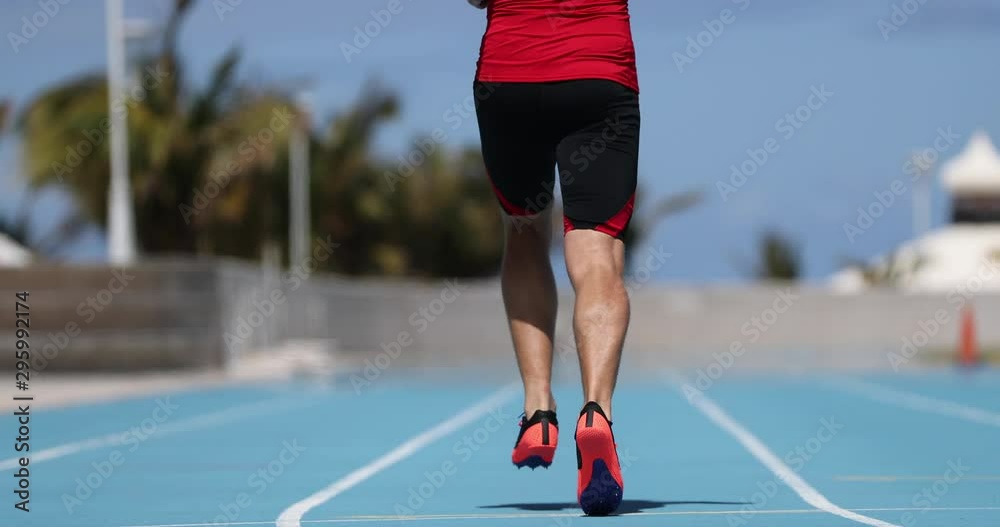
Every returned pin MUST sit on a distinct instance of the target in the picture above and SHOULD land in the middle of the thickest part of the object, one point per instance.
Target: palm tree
(435, 217)
(205, 182)
(15, 228)
(448, 217)
(206, 166)
(648, 219)
(779, 258)
(644, 221)
(4, 112)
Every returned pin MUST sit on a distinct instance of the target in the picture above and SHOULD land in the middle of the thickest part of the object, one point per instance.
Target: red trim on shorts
(508, 207)
(567, 226)
(614, 226)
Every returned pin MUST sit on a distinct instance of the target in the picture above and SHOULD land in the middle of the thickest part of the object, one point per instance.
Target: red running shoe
(536, 444)
(599, 480)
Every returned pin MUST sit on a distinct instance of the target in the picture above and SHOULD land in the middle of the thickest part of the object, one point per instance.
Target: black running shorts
(589, 128)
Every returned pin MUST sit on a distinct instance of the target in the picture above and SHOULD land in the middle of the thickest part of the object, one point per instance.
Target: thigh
(518, 146)
(598, 157)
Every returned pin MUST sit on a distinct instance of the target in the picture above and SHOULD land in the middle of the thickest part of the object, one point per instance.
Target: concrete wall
(159, 316)
(767, 325)
(205, 314)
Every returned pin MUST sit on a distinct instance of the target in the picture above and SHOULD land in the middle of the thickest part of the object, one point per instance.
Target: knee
(599, 271)
(594, 257)
(528, 232)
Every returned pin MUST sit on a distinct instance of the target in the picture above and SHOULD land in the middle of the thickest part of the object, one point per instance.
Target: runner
(556, 86)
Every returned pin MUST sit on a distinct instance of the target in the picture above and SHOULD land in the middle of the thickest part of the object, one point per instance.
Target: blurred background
(217, 185)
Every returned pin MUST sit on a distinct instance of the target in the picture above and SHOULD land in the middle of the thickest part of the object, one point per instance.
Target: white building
(12, 254)
(963, 254)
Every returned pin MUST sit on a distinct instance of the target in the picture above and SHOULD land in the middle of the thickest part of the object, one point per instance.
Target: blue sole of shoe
(603, 495)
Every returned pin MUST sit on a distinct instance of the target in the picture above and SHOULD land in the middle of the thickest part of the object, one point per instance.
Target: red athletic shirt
(554, 40)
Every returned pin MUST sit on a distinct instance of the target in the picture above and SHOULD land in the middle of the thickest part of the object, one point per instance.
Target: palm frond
(4, 113)
(209, 104)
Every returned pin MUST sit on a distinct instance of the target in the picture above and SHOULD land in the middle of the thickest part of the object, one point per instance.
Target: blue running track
(822, 450)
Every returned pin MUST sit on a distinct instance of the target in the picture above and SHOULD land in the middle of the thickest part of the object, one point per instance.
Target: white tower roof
(975, 170)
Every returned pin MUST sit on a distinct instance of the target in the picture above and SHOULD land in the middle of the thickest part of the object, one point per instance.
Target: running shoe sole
(599, 491)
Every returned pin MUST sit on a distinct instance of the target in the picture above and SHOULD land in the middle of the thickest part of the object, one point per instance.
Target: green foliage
(438, 219)
(779, 258)
(644, 220)
(4, 112)
(198, 167)
(647, 218)
(209, 172)
(890, 271)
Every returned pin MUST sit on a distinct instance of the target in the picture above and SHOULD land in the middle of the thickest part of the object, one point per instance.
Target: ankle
(543, 401)
(603, 402)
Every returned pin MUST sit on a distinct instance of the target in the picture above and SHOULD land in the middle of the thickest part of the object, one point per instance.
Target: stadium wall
(175, 314)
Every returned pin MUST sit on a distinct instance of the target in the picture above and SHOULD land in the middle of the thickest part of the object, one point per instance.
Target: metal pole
(121, 224)
(299, 228)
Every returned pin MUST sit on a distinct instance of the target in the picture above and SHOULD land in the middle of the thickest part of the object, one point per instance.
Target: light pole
(298, 182)
(121, 221)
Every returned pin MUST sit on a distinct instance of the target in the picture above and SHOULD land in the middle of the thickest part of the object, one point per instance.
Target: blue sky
(938, 71)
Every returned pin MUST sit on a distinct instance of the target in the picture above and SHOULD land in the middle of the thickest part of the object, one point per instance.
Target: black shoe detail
(546, 417)
(589, 409)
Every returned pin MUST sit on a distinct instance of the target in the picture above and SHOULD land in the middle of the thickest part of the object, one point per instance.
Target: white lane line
(759, 450)
(292, 516)
(208, 420)
(893, 479)
(917, 402)
(528, 516)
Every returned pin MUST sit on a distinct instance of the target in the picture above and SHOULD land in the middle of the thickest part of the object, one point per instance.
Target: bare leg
(529, 295)
(595, 263)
